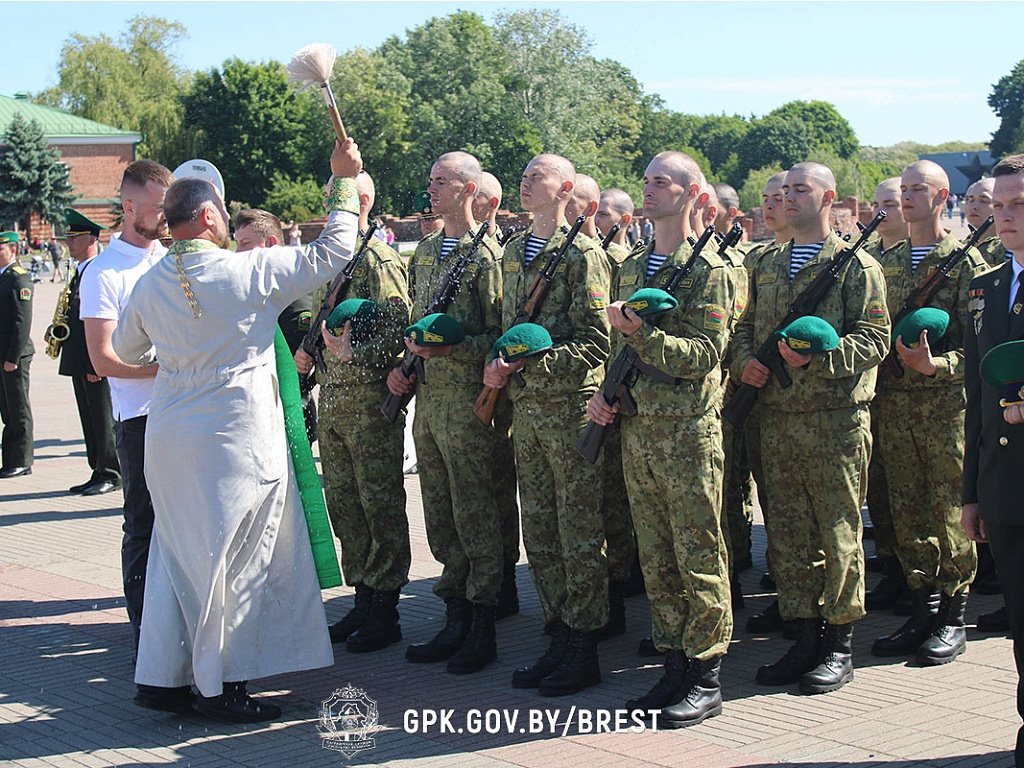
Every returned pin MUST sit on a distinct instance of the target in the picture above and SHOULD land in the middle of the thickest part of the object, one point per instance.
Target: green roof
(58, 124)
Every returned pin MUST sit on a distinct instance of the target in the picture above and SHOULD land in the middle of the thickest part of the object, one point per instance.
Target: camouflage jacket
(573, 312)
(993, 251)
(689, 342)
(855, 306)
(951, 297)
(381, 277)
(477, 306)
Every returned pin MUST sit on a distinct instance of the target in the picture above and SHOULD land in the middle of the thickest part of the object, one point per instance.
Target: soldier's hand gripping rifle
(487, 400)
(924, 292)
(625, 370)
(742, 401)
(451, 284)
(313, 342)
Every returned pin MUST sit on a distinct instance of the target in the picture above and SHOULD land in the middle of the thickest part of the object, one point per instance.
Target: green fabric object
(651, 301)
(930, 319)
(810, 335)
(520, 341)
(9, 237)
(321, 537)
(364, 314)
(436, 330)
(80, 224)
(1003, 367)
(421, 204)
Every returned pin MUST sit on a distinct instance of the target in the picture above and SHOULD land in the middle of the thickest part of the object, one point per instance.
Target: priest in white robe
(231, 591)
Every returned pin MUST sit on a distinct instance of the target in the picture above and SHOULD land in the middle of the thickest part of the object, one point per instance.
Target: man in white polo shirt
(104, 291)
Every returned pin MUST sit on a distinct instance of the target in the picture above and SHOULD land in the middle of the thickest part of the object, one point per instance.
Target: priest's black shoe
(381, 627)
(177, 700)
(578, 669)
(667, 690)
(100, 487)
(480, 647)
(530, 677)
(355, 618)
(236, 706)
(15, 471)
(768, 620)
(508, 595)
(702, 696)
(949, 638)
(458, 616)
(908, 638)
(802, 657)
(81, 486)
(997, 621)
(835, 668)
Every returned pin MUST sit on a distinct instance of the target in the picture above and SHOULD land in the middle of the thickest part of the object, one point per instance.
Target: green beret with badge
(363, 313)
(1003, 367)
(80, 224)
(930, 319)
(522, 340)
(421, 204)
(810, 335)
(436, 330)
(9, 237)
(651, 301)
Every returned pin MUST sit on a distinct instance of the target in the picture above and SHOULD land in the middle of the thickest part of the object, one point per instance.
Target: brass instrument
(59, 330)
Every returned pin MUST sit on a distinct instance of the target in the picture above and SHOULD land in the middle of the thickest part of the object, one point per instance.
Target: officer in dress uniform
(15, 324)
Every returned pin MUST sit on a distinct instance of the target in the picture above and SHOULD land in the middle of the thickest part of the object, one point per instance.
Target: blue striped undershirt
(800, 255)
(655, 261)
(447, 246)
(534, 245)
(917, 254)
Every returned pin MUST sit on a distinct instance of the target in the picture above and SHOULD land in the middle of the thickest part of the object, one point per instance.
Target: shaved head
(365, 186)
(775, 182)
(928, 171)
(617, 200)
(982, 187)
(682, 168)
(562, 166)
(820, 173)
(489, 187)
(727, 196)
(586, 190)
(465, 166)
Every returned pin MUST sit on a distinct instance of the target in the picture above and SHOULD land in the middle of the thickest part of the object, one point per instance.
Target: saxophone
(59, 330)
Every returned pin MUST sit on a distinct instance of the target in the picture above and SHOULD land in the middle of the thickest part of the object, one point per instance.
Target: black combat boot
(616, 611)
(736, 591)
(530, 677)
(908, 638)
(799, 659)
(949, 638)
(578, 669)
(887, 591)
(356, 616)
(768, 620)
(647, 648)
(508, 595)
(480, 647)
(702, 696)
(634, 584)
(997, 621)
(235, 705)
(457, 620)
(835, 668)
(381, 627)
(667, 690)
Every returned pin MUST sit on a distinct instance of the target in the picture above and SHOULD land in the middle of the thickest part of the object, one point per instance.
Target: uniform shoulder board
(19, 270)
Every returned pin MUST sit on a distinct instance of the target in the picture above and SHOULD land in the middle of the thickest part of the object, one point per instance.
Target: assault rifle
(610, 236)
(508, 234)
(626, 367)
(528, 308)
(924, 292)
(451, 284)
(742, 401)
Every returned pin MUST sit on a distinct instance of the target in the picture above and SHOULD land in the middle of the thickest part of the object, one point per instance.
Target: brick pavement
(65, 675)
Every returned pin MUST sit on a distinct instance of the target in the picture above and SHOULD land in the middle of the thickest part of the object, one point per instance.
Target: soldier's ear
(626, 220)
(272, 241)
(591, 209)
(702, 199)
(829, 196)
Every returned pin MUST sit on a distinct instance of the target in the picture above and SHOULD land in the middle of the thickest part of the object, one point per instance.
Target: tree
(752, 189)
(32, 177)
(771, 141)
(132, 83)
(293, 200)
(826, 128)
(1007, 101)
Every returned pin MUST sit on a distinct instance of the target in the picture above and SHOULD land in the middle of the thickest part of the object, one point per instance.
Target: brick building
(95, 154)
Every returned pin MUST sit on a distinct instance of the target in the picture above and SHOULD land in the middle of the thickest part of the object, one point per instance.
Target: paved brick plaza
(65, 674)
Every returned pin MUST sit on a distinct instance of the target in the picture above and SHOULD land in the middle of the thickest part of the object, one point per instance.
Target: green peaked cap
(930, 319)
(810, 335)
(80, 224)
(362, 312)
(421, 204)
(1003, 367)
(520, 341)
(9, 237)
(436, 330)
(651, 301)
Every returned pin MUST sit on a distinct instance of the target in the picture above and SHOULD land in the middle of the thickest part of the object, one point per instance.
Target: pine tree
(32, 177)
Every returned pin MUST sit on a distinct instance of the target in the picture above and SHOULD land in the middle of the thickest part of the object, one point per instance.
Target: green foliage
(826, 129)
(32, 177)
(1007, 101)
(752, 189)
(771, 141)
(294, 200)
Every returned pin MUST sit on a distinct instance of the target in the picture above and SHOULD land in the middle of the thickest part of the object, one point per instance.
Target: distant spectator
(56, 253)
(294, 235)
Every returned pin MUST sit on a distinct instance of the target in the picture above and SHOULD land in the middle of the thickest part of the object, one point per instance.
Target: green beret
(522, 340)
(363, 313)
(651, 301)
(436, 330)
(80, 224)
(421, 204)
(930, 319)
(9, 237)
(809, 335)
(1003, 366)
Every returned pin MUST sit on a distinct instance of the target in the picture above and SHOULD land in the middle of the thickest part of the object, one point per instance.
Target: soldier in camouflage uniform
(672, 449)
(921, 424)
(361, 453)
(453, 449)
(978, 205)
(815, 504)
(486, 203)
(560, 492)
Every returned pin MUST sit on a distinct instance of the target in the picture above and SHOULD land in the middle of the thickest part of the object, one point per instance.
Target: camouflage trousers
(923, 439)
(361, 455)
(454, 452)
(738, 494)
(815, 464)
(560, 497)
(505, 487)
(878, 495)
(752, 445)
(674, 471)
(620, 546)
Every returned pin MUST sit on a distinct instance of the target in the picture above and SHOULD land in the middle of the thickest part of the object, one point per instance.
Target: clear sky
(897, 71)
